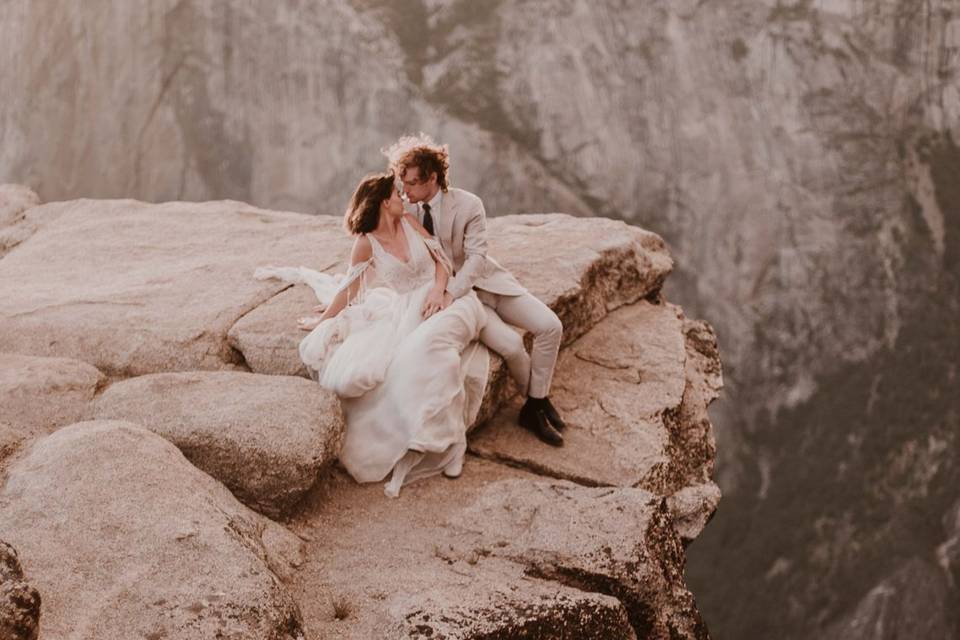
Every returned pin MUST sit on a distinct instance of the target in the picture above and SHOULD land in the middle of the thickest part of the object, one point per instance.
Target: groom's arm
(475, 252)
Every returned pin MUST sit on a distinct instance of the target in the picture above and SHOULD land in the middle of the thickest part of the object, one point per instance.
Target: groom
(457, 219)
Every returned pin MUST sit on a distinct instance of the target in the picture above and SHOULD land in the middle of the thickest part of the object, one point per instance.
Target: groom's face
(416, 188)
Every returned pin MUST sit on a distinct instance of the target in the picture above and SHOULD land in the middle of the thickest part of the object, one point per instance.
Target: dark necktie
(427, 219)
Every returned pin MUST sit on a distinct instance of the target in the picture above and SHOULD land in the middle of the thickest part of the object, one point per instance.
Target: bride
(401, 354)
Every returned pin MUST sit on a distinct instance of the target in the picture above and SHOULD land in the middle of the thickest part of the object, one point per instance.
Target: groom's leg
(527, 312)
(505, 340)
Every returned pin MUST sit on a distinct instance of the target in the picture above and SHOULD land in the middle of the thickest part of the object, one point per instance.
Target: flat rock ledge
(162, 285)
(134, 288)
(267, 438)
(500, 553)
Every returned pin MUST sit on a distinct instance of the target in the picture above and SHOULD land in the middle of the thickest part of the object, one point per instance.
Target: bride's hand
(320, 308)
(433, 303)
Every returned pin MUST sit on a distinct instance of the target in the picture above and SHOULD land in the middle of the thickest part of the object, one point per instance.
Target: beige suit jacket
(461, 229)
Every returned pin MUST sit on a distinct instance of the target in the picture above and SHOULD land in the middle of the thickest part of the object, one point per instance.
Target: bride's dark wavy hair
(363, 214)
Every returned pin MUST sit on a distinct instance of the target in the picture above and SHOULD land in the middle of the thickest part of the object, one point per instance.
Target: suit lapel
(445, 224)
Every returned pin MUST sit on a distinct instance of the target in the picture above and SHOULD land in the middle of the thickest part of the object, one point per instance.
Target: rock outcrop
(598, 540)
(634, 392)
(39, 394)
(118, 530)
(540, 610)
(104, 281)
(267, 438)
(617, 436)
(200, 417)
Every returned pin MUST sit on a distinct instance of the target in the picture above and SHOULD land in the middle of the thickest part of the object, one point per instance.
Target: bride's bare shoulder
(362, 249)
(412, 219)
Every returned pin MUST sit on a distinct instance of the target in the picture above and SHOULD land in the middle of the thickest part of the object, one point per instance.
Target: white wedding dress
(409, 387)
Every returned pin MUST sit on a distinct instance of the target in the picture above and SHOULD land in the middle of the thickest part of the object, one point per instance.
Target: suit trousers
(533, 372)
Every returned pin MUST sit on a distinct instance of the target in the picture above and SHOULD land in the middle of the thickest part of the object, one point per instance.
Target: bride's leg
(400, 470)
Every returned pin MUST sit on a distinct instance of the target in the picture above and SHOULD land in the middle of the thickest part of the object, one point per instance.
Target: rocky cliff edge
(166, 466)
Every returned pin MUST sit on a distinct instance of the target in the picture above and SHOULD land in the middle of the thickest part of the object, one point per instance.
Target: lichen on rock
(19, 601)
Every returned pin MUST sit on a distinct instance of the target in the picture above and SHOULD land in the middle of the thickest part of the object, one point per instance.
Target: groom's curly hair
(422, 152)
(363, 214)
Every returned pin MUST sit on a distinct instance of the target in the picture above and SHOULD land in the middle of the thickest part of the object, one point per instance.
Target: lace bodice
(403, 276)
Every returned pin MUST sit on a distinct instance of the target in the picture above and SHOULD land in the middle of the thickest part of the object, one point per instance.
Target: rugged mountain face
(800, 158)
(855, 521)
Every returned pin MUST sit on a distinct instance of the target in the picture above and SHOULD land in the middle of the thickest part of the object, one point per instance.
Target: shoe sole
(537, 436)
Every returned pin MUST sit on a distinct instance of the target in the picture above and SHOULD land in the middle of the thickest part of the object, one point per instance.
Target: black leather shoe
(552, 416)
(535, 420)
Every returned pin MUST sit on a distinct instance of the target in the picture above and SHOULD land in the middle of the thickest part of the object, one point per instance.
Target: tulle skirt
(409, 387)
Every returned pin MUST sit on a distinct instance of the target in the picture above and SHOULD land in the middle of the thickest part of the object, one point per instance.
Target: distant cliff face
(800, 158)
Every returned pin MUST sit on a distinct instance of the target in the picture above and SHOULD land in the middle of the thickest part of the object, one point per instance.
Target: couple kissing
(403, 334)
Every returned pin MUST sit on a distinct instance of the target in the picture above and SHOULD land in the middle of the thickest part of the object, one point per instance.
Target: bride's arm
(362, 251)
